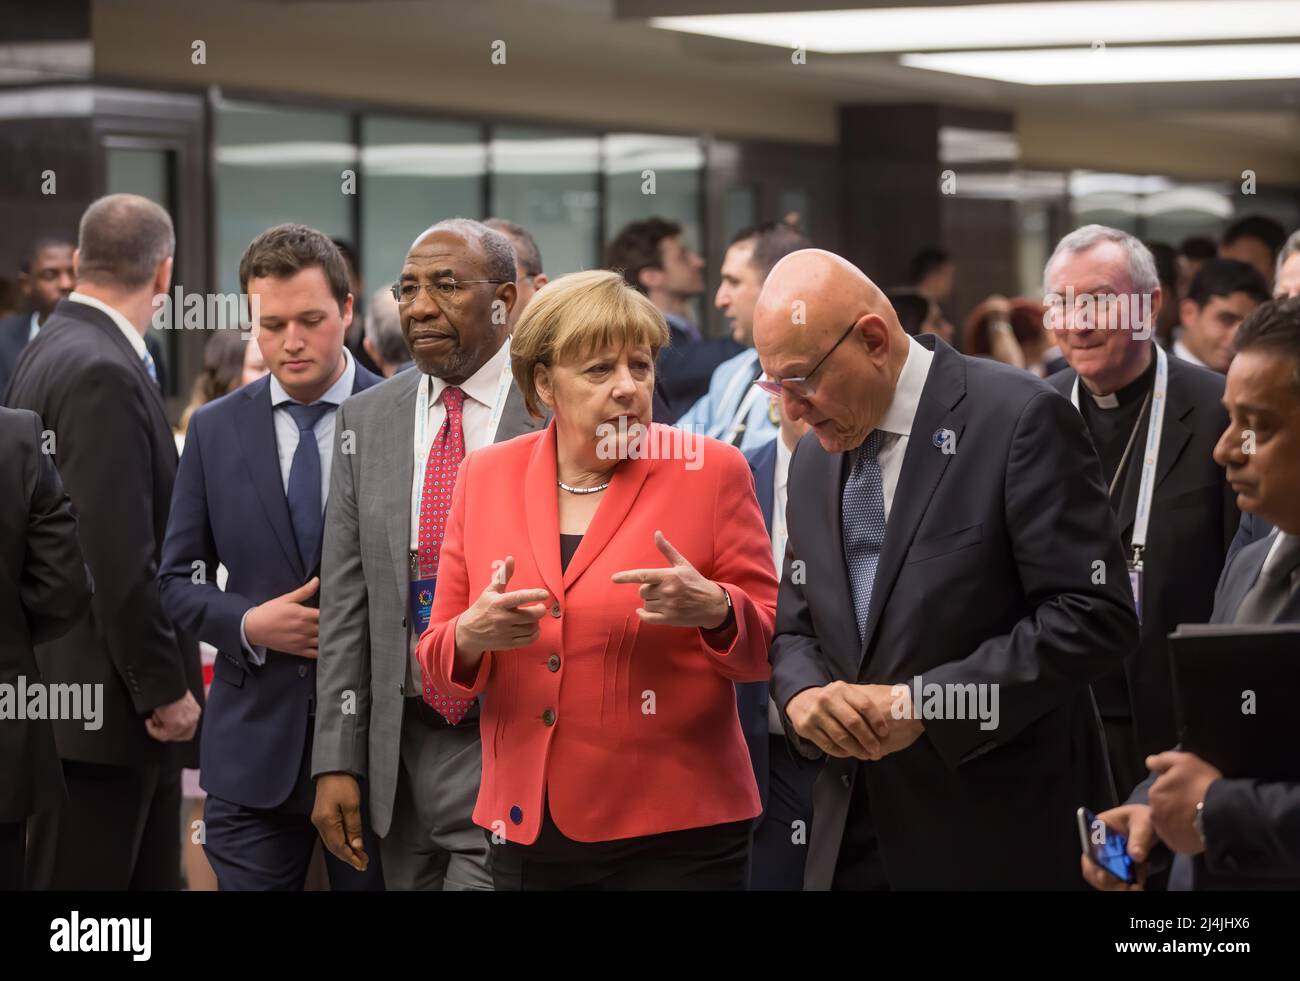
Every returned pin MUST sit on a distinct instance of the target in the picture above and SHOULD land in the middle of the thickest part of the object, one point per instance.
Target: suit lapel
(542, 515)
(515, 420)
(398, 426)
(624, 487)
(1174, 437)
(764, 481)
(257, 440)
(923, 466)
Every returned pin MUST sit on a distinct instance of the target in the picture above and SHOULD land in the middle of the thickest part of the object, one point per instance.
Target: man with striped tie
(91, 379)
(377, 718)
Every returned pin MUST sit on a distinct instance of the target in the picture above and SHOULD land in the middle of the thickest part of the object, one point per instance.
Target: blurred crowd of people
(384, 610)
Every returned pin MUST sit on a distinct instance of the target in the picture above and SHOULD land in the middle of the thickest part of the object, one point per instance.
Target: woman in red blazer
(602, 583)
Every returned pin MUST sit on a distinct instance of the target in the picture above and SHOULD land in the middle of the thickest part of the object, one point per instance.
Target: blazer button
(845, 779)
(302, 671)
(548, 717)
(555, 609)
(403, 623)
(553, 662)
(516, 814)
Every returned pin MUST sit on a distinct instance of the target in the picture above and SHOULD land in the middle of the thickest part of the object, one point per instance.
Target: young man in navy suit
(785, 780)
(250, 496)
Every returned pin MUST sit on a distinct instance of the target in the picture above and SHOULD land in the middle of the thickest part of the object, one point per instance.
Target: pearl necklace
(582, 490)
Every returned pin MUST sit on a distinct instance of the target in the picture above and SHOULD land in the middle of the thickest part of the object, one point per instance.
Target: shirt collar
(482, 385)
(133, 336)
(334, 395)
(907, 394)
(35, 327)
(1183, 351)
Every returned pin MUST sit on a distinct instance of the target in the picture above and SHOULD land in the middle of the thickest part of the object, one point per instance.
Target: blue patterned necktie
(150, 367)
(862, 515)
(304, 494)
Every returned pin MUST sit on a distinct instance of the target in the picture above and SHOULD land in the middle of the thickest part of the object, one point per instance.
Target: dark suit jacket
(1252, 828)
(1193, 519)
(987, 575)
(44, 589)
(14, 331)
(751, 696)
(684, 370)
(117, 458)
(1251, 529)
(229, 508)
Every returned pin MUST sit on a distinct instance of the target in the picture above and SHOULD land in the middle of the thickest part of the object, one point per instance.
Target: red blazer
(644, 737)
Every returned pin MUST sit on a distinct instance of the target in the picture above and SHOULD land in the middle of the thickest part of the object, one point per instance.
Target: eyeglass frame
(428, 288)
(799, 383)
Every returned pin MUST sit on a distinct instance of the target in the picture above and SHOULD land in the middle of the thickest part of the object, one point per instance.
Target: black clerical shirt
(1111, 423)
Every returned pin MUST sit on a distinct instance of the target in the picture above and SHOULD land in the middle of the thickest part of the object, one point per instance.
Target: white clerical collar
(907, 394)
(483, 384)
(1108, 401)
(133, 336)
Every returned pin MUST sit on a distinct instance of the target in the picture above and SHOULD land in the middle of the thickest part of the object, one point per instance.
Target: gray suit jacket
(361, 670)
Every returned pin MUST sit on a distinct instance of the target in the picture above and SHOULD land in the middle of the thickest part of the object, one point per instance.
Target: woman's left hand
(677, 596)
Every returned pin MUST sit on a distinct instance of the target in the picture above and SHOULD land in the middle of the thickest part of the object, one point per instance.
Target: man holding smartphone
(1236, 833)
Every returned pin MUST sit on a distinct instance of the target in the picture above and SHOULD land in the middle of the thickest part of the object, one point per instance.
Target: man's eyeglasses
(803, 385)
(446, 290)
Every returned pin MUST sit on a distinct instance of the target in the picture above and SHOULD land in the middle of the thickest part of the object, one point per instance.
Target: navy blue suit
(229, 508)
(685, 368)
(785, 781)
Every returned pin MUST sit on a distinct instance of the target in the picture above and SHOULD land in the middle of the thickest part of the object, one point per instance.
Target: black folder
(1237, 697)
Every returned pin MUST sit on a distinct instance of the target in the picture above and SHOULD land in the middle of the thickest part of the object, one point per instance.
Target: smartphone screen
(1105, 846)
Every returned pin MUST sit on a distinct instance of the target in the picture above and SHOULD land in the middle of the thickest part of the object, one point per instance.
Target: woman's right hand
(498, 620)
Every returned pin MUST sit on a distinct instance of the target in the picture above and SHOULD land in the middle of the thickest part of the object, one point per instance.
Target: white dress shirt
(897, 423)
(779, 481)
(481, 390)
(1182, 351)
(133, 336)
(35, 327)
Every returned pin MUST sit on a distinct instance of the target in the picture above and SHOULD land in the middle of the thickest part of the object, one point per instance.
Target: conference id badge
(1135, 582)
(421, 602)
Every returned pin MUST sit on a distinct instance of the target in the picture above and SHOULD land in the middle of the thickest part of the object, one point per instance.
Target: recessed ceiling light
(1002, 25)
(1112, 66)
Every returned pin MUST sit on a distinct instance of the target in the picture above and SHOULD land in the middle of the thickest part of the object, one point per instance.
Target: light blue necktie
(150, 367)
(862, 515)
(304, 493)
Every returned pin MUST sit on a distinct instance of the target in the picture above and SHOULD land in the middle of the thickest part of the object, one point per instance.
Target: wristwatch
(730, 618)
(1198, 822)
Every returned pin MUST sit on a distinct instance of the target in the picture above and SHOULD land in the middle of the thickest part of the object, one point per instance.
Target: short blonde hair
(577, 314)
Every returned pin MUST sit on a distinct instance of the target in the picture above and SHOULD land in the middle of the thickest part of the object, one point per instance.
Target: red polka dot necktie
(445, 456)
